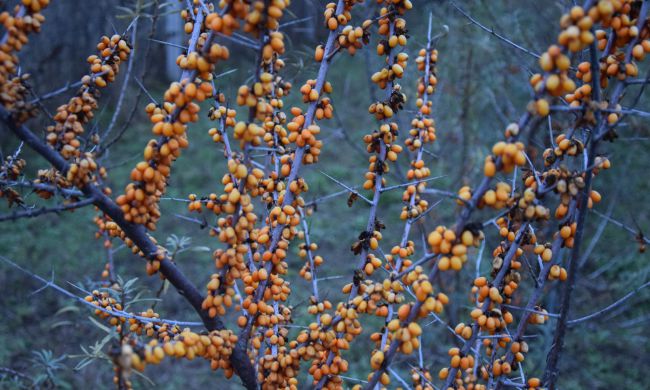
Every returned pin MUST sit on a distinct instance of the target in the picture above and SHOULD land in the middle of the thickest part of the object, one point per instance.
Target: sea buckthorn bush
(335, 249)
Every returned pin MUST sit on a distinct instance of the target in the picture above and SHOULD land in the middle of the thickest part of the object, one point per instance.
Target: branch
(451, 376)
(610, 307)
(621, 225)
(491, 31)
(127, 78)
(551, 373)
(112, 312)
(289, 196)
(31, 213)
(350, 189)
(42, 187)
(138, 234)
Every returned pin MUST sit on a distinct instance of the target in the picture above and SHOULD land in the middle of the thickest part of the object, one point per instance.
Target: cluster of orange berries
(168, 338)
(577, 34)
(332, 335)
(488, 317)
(565, 147)
(386, 109)
(216, 347)
(422, 131)
(423, 291)
(414, 205)
(555, 80)
(497, 198)
(225, 116)
(26, 19)
(229, 22)
(304, 134)
(106, 225)
(381, 143)
(279, 370)
(149, 178)
(500, 366)
(530, 205)
(577, 25)
(457, 360)
(266, 94)
(71, 117)
(493, 320)
(453, 249)
(231, 259)
(278, 363)
(105, 301)
(233, 230)
(372, 263)
(317, 307)
(161, 331)
(52, 177)
(568, 184)
(421, 379)
(581, 94)
(407, 334)
(310, 92)
(510, 155)
(333, 19)
(427, 82)
(248, 133)
(423, 128)
(376, 361)
(242, 183)
(260, 16)
(402, 253)
(392, 72)
(350, 38)
(567, 233)
(13, 94)
(218, 298)
(621, 17)
(394, 29)
(12, 167)
(376, 296)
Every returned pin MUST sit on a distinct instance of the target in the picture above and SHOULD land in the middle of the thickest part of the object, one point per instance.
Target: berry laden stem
(407, 225)
(138, 234)
(289, 197)
(372, 214)
(486, 304)
(532, 301)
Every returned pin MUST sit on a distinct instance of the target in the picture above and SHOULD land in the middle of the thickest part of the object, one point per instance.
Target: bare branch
(35, 212)
(610, 307)
(491, 31)
(111, 312)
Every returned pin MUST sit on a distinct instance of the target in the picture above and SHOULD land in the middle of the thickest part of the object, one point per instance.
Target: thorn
(145, 90)
(347, 187)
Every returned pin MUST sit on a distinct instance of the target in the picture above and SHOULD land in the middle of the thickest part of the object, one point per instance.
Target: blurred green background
(483, 85)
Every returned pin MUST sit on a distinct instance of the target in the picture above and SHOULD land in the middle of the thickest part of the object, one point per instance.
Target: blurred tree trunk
(54, 57)
(172, 32)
